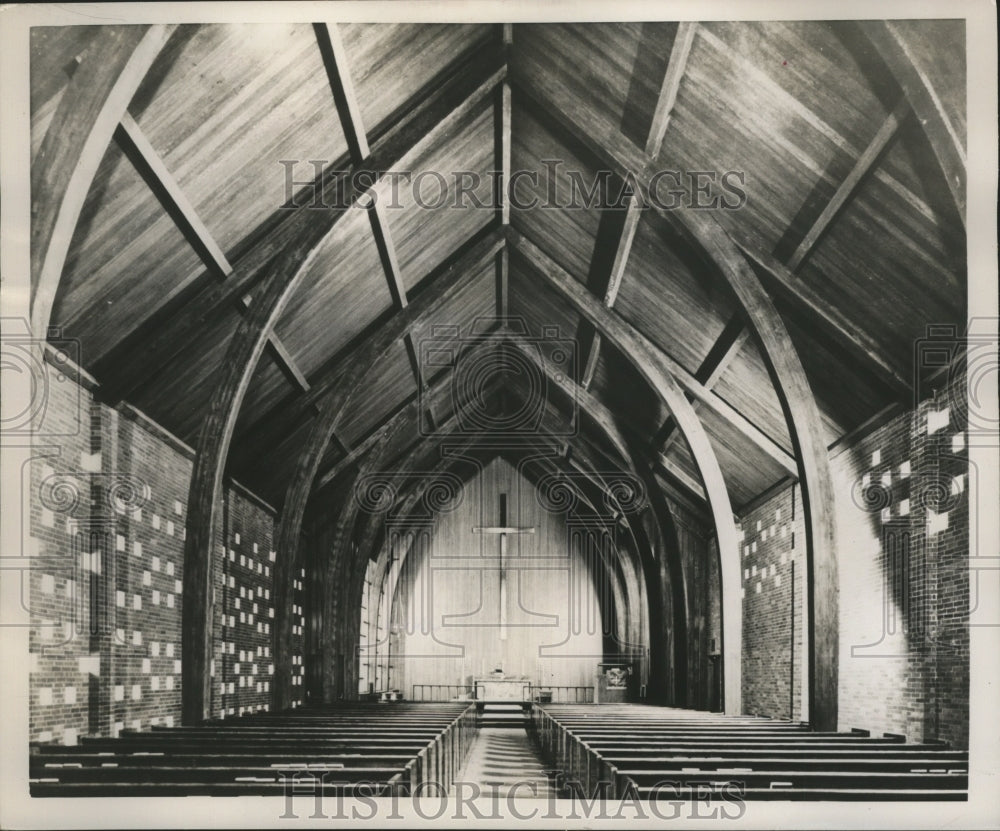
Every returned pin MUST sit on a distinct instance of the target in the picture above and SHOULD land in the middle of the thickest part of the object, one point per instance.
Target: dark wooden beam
(334, 55)
(659, 373)
(148, 163)
(676, 65)
(862, 167)
(293, 413)
(89, 112)
(332, 410)
(722, 353)
(174, 329)
(284, 271)
(626, 234)
(604, 144)
(914, 77)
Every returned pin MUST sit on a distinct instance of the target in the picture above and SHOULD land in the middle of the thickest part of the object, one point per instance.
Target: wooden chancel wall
(446, 606)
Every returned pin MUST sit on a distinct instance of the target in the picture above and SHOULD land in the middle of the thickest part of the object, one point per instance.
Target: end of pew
(857, 731)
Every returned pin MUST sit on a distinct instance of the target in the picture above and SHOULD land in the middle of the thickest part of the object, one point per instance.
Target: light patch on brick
(137, 602)
(904, 507)
(958, 442)
(170, 568)
(236, 538)
(155, 563)
(154, 683)
(170, 528)
(45, 736)
(169, 682)
(887, 479)
(170, 601)
(146, 666)
(137, 549)
(876, 458)
(136, 638)
(178, 508)
(147, 578)
(48, 584)
(936, 523)
(154, 649)
(70, 736)
(958, 484)
(48, 518)
(905, 470)
(156, 597)
(70, 589)
(886, 513)
(136, 692)
(177, 667)
(119, 726)
(757, 586)
(90, 462)
(937, 420)
(119, 692)
(120, 599)
(170, 650)
(255, 548)
(155, 519)
(45, 696)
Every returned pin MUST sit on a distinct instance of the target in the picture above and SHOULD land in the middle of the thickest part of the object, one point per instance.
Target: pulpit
(612, 683)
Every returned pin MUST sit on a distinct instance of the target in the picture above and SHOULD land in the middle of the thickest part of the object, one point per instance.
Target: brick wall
(903, 548)
(107, 512)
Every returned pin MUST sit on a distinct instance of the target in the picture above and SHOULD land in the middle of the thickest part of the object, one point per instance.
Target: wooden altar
(503, 690)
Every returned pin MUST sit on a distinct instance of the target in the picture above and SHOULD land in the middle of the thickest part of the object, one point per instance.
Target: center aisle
(502, 757)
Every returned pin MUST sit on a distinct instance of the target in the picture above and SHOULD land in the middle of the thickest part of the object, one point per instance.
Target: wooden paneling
(568, 235)
(235, 100)
(428, 226)
(750, 101)
(181, 394)
(390, 62)
(554, 627)
(747, 386)
(389, 382)
(344, 283)
(615, 68)
(671, 297)
(624, 390)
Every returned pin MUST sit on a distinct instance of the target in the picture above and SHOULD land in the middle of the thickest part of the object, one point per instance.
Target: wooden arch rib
(93, 104)
(451, 455)
(648, 360)
(913, 78)
(791, 386)
(358, 367)
(665, 532)
(309, 226)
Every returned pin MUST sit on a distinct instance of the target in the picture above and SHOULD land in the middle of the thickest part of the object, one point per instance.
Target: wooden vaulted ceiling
(849, 221)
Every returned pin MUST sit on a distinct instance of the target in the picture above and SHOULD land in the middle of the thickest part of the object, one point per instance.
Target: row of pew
(647, 752)
(366, 749)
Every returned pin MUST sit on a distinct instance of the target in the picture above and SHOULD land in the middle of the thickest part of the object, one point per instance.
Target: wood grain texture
(110, 71)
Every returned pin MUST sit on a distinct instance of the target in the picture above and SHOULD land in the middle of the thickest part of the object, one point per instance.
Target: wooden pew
(663, 753)
(367, 749)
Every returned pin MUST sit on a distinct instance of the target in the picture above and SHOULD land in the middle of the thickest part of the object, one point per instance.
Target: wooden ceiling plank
(862, 167)
(335, 61)
(659, 373)
(285, 272)
(461, 268)
(148, 349)
(725, 349)
(916, 83)
(96, 97)
(671, 84)
(151, 167)
(557, 276)
(606, 145)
